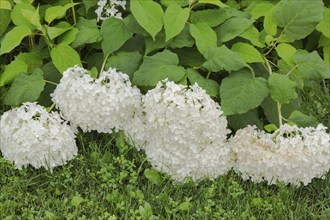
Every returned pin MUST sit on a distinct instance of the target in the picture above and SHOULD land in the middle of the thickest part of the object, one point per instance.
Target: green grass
(108, 182)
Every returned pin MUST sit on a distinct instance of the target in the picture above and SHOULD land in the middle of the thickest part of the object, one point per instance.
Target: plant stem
(104, 62)
(208, 75)
(51, 107)
(292, 70)
(268, 67)
(50, 82)
(274, 44)
(73, 14)
(279, 109)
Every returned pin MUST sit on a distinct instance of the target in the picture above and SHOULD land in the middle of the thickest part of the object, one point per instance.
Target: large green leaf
(56, 12)
(5, 20)
(184, 39)
(298, 18)
(286, 52)
(134, 26)
(163, 65)
(260, 10)
(222, 58)
(270, 25)
(303, 120)
(214, 17)
(12, 70)
(232, 28)
(241, 92)
(149, 15)
(312, 66)
(211, 87)
(248, 53)
(152, 44)
(242, 120)
(127, 62)
(13, 38)
(58, 29)
(114, 34)
(64, 56)
(204, 36)
(281, 88)
(175, 18)
(253, 35)
(190, 56)
(324, 25)
(32, 59)
(88, 32)
(25, 88)
(17, 12)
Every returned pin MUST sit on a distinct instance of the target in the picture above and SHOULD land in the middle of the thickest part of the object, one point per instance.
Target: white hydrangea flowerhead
(291, 154)
(109, 8)
(186, 132)
(104, 104)
(31, 135)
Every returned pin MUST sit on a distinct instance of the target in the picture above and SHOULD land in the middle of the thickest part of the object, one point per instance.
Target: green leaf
(58, 29)
(18, 19)
(281, 88)
(184, 39)
(222, 58)
(158, 67)
(260, 10)
(326, 54)
(13, 38)
(32, 16)
(185, 206)
(158, 43)
(253, 35)
(32, 59)
(169, 2)
(114, 34)
(89, 4)
(312, 66)
(214, 17)
(248, 53)
(153, 176)
(88, 32)
(5, 5)
(69, 36)
(133, 26)
(190, 56)
(204, 36)
(270, 127)
(12, 70)
(241, 92)
(269, 107)
(298, 18)
(56, 12)
(25, 88)
(324, 25)
(242, 120)
(64, 56)
(293, 73)
(175, 18)
(77, 200)
(302, 120)
(126, 62)
(149, 15)
(213, 2)
(210, 86)
(286, 52)
(145, 211)
(269, 24)
(232, 28)
(5, 20)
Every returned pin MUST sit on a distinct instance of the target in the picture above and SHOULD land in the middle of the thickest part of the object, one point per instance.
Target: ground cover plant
(180, 109)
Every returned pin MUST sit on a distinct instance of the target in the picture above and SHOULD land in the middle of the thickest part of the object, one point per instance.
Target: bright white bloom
(186, 132)
(290, 154)
(31, 135)
(105, 104)
(109, 8)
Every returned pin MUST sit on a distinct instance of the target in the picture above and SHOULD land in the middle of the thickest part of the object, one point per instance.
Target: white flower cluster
(104, 104)
(109, 8)
(290, 154)
(186, 132)
(31, 135)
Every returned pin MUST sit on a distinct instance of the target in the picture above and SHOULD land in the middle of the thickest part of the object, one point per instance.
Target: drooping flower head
(104, 104)
(291, 154)
(109, 8)
(31, 135)
(186, 132)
